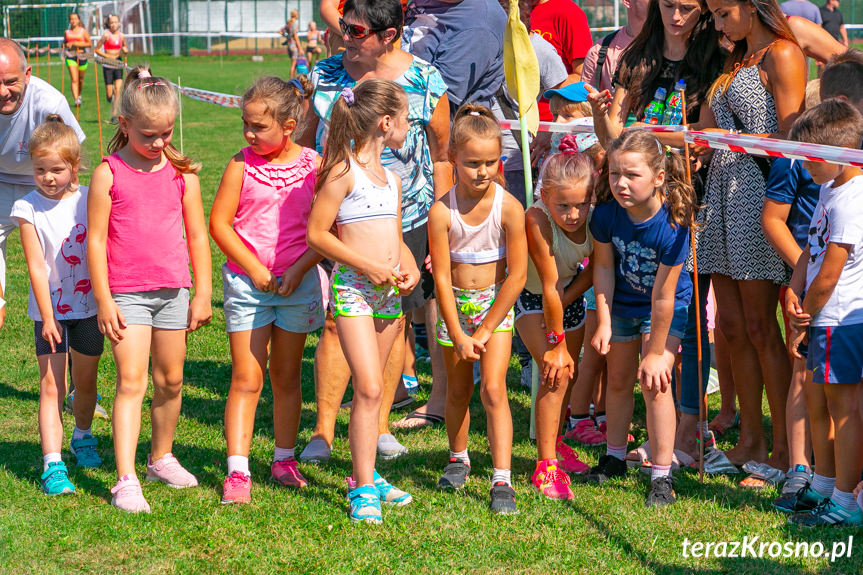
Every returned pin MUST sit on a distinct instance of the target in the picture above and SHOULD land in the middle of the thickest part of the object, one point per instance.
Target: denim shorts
(166, 308)
(625, 329)
(836, 354)
(248, 308)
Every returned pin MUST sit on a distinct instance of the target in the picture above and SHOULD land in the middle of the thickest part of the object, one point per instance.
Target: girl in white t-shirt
(53, 222)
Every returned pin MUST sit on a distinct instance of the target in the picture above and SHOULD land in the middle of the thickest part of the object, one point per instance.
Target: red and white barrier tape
(577, 128)
(774, 148)
(217, 98)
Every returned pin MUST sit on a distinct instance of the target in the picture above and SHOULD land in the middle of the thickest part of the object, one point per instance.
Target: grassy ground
(604, 530)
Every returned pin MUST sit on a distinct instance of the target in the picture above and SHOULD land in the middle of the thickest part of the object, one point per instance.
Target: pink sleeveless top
(478, 244)
(146, 247)
(273, 212)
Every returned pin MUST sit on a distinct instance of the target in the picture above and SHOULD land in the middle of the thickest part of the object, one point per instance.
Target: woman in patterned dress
(761, 92)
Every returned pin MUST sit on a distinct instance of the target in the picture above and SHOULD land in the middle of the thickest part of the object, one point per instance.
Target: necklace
(365, 166)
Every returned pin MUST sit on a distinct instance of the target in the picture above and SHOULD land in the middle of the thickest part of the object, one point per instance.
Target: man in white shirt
(25, 102)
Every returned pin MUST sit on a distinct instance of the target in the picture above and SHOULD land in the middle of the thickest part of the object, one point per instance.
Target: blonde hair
(55, 136)
(558, 106)
(141, 97)
(566, 170)
(813, 93)
(678, 193)
(473, 121)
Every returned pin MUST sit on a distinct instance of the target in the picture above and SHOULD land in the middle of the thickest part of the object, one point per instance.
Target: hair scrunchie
(568, 144)
(349, 97)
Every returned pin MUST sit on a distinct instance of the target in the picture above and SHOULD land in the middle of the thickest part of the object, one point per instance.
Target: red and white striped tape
(217, 98)
(774, 148)
(576, 128)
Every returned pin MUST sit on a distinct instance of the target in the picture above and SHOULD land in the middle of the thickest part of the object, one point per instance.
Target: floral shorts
(472, 305)
(354, 295)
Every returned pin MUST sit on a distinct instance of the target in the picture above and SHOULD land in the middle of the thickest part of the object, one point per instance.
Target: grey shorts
(166, 308)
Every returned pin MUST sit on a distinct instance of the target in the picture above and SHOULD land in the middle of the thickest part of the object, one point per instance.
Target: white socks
(504, 475)
(281, 453)
(844, 499)
(49, 458)
(823, 485)
(659, 471)
(79, 433)
(618, 451)
(238, 463)
(461, 456)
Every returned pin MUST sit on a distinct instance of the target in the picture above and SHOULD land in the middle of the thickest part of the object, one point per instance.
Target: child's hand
(795, 339)
(601, 339)
(467, 348)
(600, 102)
(264, 280)
(111, 321)
(427, 263)
(200, 313)
(797, 318)
(381, 274)
(557, 366)
(654, 374)
(408, 281)
(289, 282)
(51, 333)
(539, 147)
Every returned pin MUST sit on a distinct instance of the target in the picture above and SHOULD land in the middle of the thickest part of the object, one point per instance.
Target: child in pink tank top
(143, 199)
(272, 290)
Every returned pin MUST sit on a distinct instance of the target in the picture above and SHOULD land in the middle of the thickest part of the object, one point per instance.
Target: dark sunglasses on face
(355, 30)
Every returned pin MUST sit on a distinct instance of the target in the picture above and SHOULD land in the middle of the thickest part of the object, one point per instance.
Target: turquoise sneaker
(389, 494)
(365, 505)
(829, 514)
(55, 480)
(85, 451)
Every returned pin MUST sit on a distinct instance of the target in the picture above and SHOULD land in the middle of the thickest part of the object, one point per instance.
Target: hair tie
(349, 97)
(144, 74)
(299, 86)
(474, 113)
(568, 144)
(148, 84)
(667, 151)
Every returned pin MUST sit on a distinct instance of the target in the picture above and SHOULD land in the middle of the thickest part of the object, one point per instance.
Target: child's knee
(371, 392)
(493, 396)
(247, 383)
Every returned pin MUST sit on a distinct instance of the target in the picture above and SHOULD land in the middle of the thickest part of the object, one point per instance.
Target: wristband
(555, 338)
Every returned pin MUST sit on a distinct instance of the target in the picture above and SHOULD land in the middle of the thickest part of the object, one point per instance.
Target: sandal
(717, 463)
(423, 419)
(679, 459)
(761, 475)
(719, 429)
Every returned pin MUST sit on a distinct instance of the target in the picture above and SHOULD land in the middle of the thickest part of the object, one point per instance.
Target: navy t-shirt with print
(639, 249)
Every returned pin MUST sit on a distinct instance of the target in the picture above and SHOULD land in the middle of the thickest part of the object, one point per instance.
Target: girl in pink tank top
(143, 199)
(272, 291)
(479, 261)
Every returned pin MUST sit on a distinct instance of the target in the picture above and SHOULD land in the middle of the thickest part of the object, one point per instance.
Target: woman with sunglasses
(371, 30)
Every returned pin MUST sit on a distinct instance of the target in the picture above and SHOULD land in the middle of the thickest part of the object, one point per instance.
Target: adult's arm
(330, 14)
(437, 135)
(815, 41)
(785, 67)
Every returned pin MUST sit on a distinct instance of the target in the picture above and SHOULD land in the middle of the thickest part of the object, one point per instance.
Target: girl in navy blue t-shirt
(641, 240)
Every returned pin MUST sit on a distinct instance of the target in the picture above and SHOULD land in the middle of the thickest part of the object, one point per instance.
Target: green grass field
(603, 531)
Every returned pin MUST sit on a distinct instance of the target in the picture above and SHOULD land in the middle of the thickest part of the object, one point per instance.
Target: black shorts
(529, 303)
(82, 335)
(417, 240)
(111, 75)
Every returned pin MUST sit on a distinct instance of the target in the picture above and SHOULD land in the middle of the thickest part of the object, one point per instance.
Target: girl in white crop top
(479, 260)
(373, 266)
(550, 312)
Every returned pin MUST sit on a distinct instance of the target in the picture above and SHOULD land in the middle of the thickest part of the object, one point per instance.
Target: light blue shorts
(166, 308)
(247, 307)
(625, 329)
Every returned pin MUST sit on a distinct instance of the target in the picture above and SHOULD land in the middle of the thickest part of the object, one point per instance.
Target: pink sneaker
(551, 481)
(169, 471)
(568, 459)
(286, 473)
(129, 497)
(584, 432)
(237, 488)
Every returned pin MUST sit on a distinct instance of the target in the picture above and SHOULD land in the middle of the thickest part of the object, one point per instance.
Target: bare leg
(728, 409)
(392, 375)
(493, 365)
(286, 360)
(52, 392)
(84, 373)
(622, 365)
(587, 383)
(843, 403)
(822, 428)
(661, 417)
(131, 355)
(169, 355)
(248, 361)
(799, 444)
(331, 380)
(459, 391)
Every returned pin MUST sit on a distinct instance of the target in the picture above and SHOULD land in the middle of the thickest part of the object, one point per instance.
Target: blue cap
(576, 92)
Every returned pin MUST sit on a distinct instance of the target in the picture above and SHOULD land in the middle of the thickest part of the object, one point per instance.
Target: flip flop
(397, 405)
(761, 475)
(717, 463)
(426, 420)
(720, 430)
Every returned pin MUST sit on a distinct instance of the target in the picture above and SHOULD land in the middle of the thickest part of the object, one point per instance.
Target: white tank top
(480, 244)
(367, 200)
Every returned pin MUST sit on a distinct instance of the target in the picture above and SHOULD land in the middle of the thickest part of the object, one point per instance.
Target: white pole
(209, 29)
(180, 100)
(150, 26)
(617, 13)
(175, 16)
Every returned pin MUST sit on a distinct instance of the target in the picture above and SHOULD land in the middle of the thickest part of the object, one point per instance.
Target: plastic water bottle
(674, 106)
(656, 109)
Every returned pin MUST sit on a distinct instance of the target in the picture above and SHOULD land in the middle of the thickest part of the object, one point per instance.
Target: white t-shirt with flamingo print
(62, 229)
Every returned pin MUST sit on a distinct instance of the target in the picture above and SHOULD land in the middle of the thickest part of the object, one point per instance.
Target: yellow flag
(521, 68)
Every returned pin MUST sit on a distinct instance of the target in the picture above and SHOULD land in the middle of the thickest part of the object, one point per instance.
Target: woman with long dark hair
(760, 92)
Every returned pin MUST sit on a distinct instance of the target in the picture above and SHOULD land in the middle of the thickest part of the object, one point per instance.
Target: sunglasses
(355, 31)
